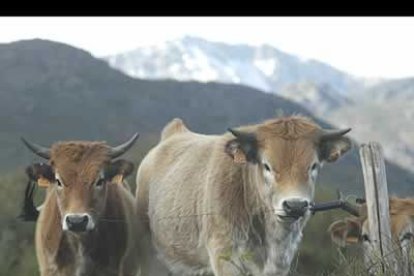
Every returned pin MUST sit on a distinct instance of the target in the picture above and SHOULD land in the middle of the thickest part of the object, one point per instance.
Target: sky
(362, 46)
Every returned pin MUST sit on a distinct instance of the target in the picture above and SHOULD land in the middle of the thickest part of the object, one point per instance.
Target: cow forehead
(401, 206)
(401, 212)
(288, 141)
(399, 223)
(288, 128)
(283, 153)
(401, 215)
(79, 162)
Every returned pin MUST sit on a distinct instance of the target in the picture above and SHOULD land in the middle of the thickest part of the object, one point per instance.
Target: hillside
(384, 113)
(51, 91)
(323, 97)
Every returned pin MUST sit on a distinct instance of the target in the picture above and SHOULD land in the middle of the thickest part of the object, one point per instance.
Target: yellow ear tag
(117, 178)
(43, 182)
(335, 155)
(352, 240)
(239, 157)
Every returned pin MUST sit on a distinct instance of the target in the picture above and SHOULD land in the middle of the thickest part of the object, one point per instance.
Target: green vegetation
(16, 238)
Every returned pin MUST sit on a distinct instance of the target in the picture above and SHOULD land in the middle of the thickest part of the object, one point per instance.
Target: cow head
(287, 154)
(356, 231)
(79, 174)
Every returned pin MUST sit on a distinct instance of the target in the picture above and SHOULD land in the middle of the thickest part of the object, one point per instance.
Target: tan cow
(233, 203)
(355, 230)
(87, 224)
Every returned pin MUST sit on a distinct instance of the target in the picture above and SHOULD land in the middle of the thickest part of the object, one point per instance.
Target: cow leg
(47, 266)
(144, 250)
(46, 271)
(221, 257)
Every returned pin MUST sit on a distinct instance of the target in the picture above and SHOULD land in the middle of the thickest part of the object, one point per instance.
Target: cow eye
(365, 238)
(100, 182)
(266, 166)
(58, 183)
(314, 166)
(407, 236)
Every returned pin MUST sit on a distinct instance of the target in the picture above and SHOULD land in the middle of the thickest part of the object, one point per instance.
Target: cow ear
(41, 173)
(118, 170)
(243, 148)
(345, 232)
(332, 150)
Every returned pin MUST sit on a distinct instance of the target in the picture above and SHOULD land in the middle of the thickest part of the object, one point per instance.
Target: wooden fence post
(377, 202)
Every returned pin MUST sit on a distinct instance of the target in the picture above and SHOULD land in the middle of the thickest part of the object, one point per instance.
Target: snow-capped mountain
(263, 67)
(334, 95)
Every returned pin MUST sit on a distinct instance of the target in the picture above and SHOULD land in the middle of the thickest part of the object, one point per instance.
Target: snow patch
(267, 66)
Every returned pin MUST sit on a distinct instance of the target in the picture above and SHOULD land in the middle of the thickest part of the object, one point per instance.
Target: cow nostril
(286, 205)
(77, 220)
(295, 205)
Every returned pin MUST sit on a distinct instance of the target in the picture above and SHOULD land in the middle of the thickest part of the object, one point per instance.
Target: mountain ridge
(266, 62)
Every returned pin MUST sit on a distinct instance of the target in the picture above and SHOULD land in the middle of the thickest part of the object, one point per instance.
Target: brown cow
(233, 203)
(86, 225)
(355, 230)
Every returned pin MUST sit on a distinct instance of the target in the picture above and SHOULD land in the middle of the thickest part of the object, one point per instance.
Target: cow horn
(39, 150)
(328, 134)
(241, 135)
(121, 149)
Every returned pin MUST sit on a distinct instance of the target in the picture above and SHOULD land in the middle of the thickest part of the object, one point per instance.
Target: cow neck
(281, 237)
(254, 208)
(282, 241)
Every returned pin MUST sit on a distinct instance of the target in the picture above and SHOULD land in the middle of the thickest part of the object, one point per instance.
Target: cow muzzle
(78, 223)
(295, 208)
